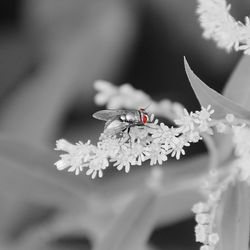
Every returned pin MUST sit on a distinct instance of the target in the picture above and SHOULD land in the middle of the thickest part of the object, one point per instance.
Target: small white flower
(157, 154)
(104, 86)
(106, 91)
(202, 218)
(204, 114)
(242, 164)
(164, 105)
(176, 146)
(206, 247)
(64, 145)
(125, 158)
(200, 207)
(215, 196)
(193, 136)
(97, 165)
(203, 117)
(221, 127)
(230, 118)
(164, 135)
(109, 145)
(77, 157)
(126, 89)
(242, 140)
(213, 239)
(201, 229)
(201, 237)
(161, 133)
(141, 153)
(186, 122)
(131, 97)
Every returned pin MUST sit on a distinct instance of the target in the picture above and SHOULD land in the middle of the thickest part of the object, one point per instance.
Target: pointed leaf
(236, 89)
(207, 96)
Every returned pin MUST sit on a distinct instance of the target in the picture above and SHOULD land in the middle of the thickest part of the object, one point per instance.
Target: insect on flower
(119, 121)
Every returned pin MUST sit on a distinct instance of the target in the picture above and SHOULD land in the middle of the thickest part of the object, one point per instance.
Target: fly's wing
(114, 127)
(108, 114)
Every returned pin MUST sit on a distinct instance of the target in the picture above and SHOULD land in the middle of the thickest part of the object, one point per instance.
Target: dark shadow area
(71, 242)
(178, 236)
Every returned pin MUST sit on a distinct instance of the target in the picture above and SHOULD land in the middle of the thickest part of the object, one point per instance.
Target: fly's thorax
(135, 116)
(131, 117)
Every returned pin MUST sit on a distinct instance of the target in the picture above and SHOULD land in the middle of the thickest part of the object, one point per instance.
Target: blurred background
(51, 52)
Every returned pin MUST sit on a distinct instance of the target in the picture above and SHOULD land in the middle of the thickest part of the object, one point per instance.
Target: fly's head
(144, 116)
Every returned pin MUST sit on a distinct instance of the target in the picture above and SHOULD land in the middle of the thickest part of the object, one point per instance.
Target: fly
(118, 121)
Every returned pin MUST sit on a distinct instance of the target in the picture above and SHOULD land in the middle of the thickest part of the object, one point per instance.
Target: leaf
(26, 173)
(133, 226)
(237, 89)
(207, 96)
(180, 190)
(233, 214)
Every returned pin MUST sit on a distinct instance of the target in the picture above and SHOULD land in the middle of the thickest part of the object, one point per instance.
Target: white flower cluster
(219, 25)
(205, 212)
(203, 230)
(116, 97)
(215, 185)
(241, 138)
(153, 142)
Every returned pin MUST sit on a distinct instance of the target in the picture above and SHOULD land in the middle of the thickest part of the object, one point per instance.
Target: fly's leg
(129, 135)
(127, 138)
(127, 131)
(125, 135)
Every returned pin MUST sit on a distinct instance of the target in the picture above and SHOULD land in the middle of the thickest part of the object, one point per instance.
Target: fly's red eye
(145, 119)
